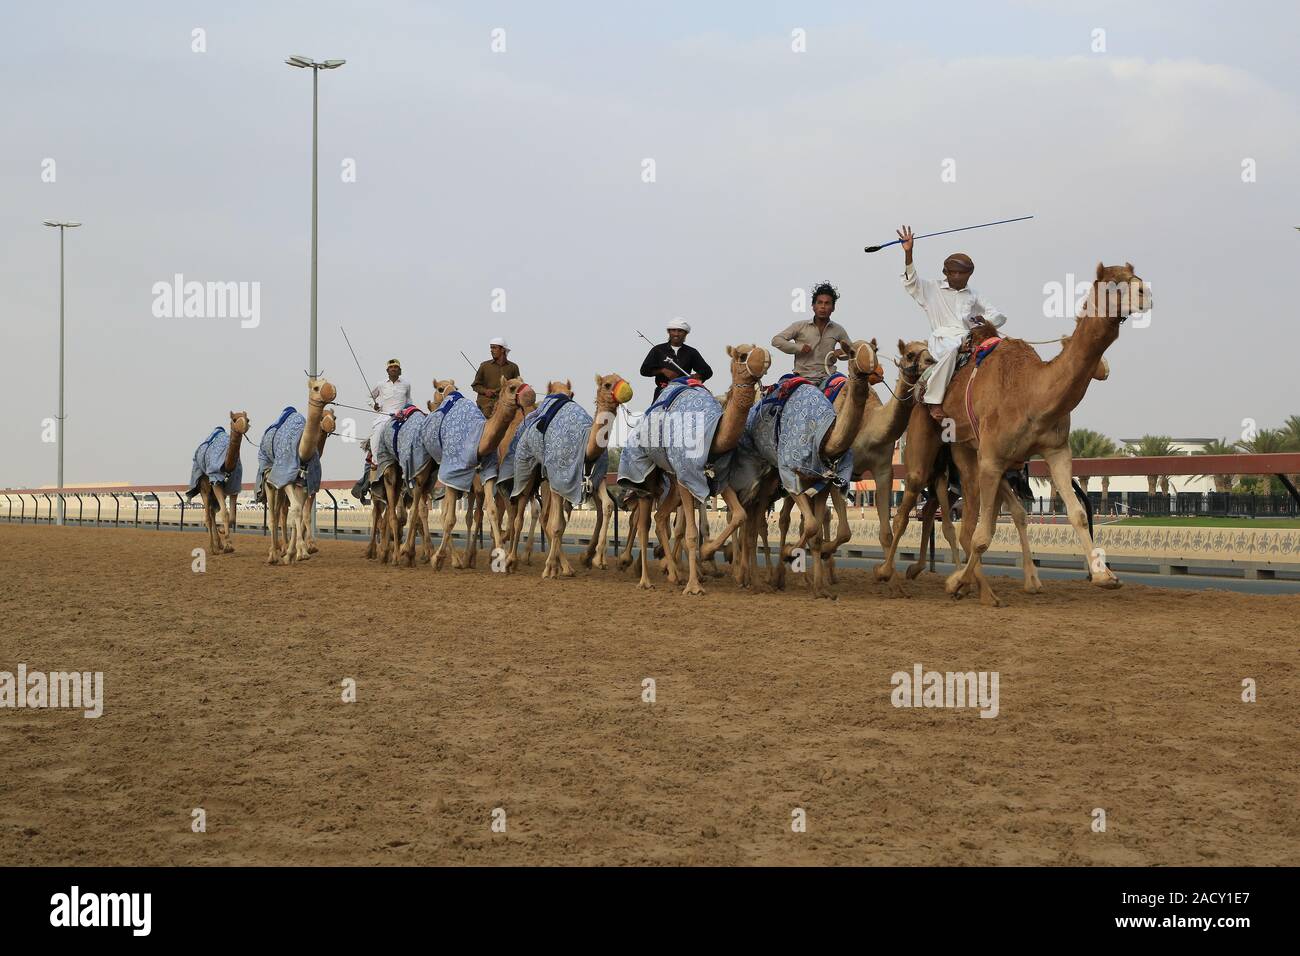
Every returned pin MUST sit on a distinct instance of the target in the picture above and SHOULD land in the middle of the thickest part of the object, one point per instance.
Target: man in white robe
(386, 397)
(953, 309)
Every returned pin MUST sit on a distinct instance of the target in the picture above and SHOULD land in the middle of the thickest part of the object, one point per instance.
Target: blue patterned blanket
(277, 453)
(787, 436)
(450, 436)
(675, 435)
(560, 453)
(210, 460)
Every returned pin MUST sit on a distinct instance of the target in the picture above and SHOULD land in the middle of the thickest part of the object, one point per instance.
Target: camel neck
(1072, 370)
(840, 438)
(232, 451)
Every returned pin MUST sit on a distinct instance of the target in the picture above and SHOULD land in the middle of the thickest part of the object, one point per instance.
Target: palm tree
(1267, 441)
(1152, 446)
(1291, 430)
(1222, 483)
(1086, 443)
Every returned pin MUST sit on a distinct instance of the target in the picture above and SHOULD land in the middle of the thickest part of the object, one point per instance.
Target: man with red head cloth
(953, 309)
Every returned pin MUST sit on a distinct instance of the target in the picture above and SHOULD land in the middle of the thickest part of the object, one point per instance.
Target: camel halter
(913, 369)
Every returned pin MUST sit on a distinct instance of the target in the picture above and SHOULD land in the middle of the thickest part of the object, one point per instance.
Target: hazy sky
(522, 170)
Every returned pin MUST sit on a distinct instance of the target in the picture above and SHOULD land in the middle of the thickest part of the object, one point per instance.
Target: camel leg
(418, 490)
(945, 513)
(735, 518)
(884, 477)
(778, 569)
(448, 526)
(604, 518)
(1032, 583)
(1060, 463)
(597, 544)
(221, 538)
(809, 533)
(373, 548)
(989, 475)
(663, 515)
(209, 520)
(554, 566)
(518, 505)
(232, 507)
(309, 509)
(493, 520)
(927, 525)
(842, 532)
(273, 518)
(643, 506)
(690, 529)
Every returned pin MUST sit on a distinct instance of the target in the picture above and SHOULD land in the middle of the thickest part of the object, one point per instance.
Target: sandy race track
(478, 691)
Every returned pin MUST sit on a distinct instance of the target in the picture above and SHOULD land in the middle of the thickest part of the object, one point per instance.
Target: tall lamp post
(61, 226)
(306, 63)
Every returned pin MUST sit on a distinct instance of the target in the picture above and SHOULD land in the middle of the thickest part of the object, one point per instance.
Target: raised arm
(911, 282)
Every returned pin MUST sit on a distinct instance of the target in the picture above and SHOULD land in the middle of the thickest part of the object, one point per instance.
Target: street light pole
(61, 226)
(306, 63)
(315, 89)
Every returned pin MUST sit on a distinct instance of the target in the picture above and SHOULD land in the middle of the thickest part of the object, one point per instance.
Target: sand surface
(478, 691)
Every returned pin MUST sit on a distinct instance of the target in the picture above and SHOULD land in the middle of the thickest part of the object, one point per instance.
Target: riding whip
(946, 232)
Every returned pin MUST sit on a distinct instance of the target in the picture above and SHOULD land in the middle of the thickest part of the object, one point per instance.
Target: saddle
(831, 387)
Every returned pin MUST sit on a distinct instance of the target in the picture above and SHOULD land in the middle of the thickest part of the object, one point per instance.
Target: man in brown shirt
(487, 382)
(810, 341)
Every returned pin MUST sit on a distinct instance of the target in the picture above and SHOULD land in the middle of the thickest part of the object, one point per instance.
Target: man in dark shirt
(490, 375)
(674, 359)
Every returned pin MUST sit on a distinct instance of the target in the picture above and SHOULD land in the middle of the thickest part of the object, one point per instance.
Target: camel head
(1117, 293)
(320, 392)
(560, 388)
(862, 360)
(749, 363)
(442, 387)
(327, 423)
(239, 423)
(508, 397)
(1102, 371)
(914, 358)
(612, 391)
(527, 398)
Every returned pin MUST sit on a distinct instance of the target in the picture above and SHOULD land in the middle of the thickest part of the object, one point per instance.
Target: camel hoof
(1035, 587)
(1110, 584)
(692, 590)
(646, 586)
(883, 572)
(914, 570)
(989, 599)
(228, 549)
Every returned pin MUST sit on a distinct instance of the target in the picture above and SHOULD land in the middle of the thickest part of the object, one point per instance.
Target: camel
(469, 448)
(420, 483)
(1015, 405)
(327, 426)
(534, 493)
(221, 497)
(925, 469)
(792, 457)
(660, 456)
(294, 446)
(570, 480)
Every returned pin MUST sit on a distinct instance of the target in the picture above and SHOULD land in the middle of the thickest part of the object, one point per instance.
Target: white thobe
(391, 397)
(951, 313)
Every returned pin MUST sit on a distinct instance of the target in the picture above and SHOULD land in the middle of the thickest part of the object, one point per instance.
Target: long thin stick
(471, 364)
(354, 358)
(653, 345)
(947, 232)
